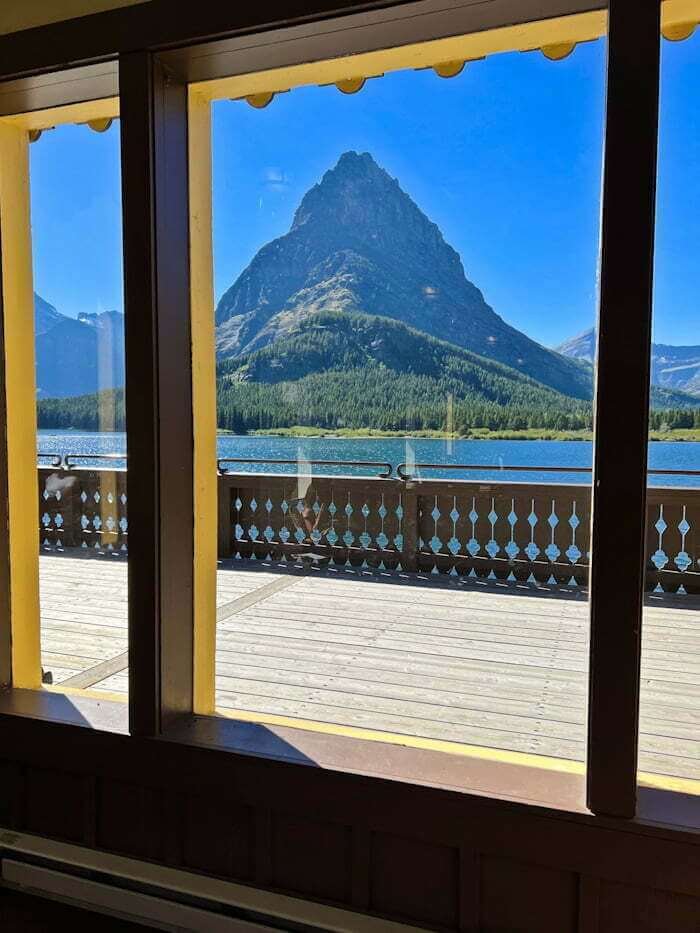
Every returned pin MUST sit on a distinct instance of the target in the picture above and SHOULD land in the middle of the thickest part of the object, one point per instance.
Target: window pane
(406, 289)
(669, 738)
(83, 505)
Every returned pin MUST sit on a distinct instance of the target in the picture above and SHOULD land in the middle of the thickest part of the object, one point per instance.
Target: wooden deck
(479, 664)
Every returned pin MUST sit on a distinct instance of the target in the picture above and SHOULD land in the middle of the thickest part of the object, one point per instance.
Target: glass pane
(669, 738)
(406, 289)
(83, 505)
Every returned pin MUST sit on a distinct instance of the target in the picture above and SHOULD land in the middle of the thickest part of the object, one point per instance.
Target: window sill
(83, 708)
(495, 781)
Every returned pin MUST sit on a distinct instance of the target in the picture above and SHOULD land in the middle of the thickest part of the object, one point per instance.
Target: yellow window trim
(20, 382)
(526, 37)
(203, 402)
(20, 399)
(556, 38)
(90, 111)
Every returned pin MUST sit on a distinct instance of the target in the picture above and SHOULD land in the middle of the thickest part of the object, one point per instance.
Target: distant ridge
(672, 367)
(77, 356)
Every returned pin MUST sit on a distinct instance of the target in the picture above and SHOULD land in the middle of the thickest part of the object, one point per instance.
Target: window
(392, 284)
(404, 456)
(669, 745)
(64, 339)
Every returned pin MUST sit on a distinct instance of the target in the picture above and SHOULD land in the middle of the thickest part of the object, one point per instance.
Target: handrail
(110, 457)
(384, 465)
(65, 461)
(56, 459)
(402, 474)
(482, 467)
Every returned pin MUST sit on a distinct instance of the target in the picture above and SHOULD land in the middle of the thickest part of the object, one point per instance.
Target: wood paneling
(414, 880)
(130, 819)
(441, 859)
(55, 804)
(518, 897)
(645, 910)
(324, 870)
(219, 843)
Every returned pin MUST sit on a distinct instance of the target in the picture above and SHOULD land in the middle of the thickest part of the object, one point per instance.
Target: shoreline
(687, 435)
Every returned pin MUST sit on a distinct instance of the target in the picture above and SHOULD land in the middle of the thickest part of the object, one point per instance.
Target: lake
(495, 456)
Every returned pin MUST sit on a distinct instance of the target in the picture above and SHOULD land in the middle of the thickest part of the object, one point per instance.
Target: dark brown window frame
(153, 84)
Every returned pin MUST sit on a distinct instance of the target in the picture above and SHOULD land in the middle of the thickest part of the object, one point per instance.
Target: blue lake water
(495, 456)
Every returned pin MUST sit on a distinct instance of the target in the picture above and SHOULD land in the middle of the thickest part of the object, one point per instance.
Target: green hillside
(338, 369)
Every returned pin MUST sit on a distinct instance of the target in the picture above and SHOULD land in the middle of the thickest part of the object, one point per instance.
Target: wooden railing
(516, 532)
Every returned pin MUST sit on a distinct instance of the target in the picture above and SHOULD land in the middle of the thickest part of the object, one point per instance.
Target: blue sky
(506, 159)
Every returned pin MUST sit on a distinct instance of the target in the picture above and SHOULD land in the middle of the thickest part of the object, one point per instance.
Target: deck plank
(500, 666)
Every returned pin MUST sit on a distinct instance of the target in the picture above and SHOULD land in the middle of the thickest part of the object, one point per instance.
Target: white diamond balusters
(660, 558)
(573, 552)
(285, 533)
(331, 533)
(348, 537)
(382, 539)
(435, 542)
(682, 559)
(473, 545)
(492, 548)
(453, 544)
(398, 539)
(365, 538)
(532, 550)
(552, 551)
(512, 549)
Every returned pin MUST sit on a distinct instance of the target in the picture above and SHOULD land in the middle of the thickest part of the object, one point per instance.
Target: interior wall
(24, 14)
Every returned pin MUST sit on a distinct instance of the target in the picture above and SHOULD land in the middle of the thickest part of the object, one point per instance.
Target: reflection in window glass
(79, 328)
(406, 287)
(669, 738)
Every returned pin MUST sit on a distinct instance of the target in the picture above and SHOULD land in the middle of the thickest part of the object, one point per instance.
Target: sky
(506, 158)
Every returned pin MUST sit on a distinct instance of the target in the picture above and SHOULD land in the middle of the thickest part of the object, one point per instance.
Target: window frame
(169, 338)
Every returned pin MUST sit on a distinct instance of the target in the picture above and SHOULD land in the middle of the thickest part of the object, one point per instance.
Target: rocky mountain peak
(360, 244)
(357, 201)
(354, 180)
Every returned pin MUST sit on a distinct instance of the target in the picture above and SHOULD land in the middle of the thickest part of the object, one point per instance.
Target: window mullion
(158, 391)
(622, 405)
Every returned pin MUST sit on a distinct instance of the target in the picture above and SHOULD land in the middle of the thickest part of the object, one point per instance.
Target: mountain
(663, 399)
(78, 356)
(45, 315)
(673, 368)
(359, 244)
(580, 347)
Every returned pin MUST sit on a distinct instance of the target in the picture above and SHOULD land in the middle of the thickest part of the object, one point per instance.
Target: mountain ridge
(359, 243)
(673, 367)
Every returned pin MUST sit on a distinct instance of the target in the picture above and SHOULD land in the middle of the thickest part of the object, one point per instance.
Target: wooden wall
(438, 859)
